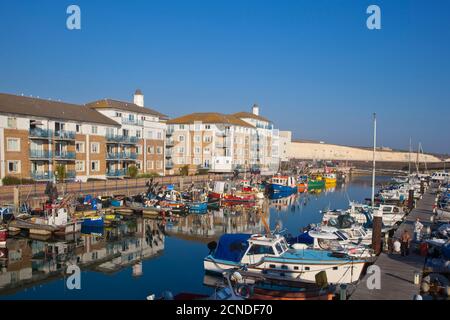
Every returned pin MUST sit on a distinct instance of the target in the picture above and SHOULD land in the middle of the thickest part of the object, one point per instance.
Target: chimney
(255, 109)
(139, 98)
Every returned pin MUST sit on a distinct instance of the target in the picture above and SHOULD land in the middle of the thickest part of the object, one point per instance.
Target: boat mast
(417, 160)
(409, 157)
(374, 159)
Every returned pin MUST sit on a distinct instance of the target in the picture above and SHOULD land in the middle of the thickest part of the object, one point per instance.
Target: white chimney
(139, 98)
(255, 110)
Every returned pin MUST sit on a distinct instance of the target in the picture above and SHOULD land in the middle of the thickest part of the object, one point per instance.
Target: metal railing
(135, 122)
(121, 155)
(65, 155)
(64, 135)
(40, 133)
(41, 176)
(40, 154)
(121, 139)
(117, 173)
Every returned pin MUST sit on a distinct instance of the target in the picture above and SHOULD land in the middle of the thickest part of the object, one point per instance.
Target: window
(150, 164)
(181, 150)
(197, 150)
(12, 123)
(206, 150)
(138, 165)
(78, 128)
(95, 147)
(79, 147)
(207, 127)
(197, 161)
(181, 126)
(150, 150)
(95, 166)
(158, 150)
(259, 249)
(79, 166)
(13, 144)
(208, 139)
(150, 134)
(125, 132)
(138, 149)
(94, 129)
(197, 138)
(159, 165)
(143, 118)
(181, 138)
(138, 133)
(159, 136)
(109, 132)
(14, 166)
(119, 114)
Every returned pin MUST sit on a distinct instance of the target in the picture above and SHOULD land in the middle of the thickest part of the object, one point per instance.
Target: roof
(209, 117)
(27, 106)
(249, 115)
(125, 106)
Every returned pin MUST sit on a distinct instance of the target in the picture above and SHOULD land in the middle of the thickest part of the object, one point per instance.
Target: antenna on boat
(374, 159)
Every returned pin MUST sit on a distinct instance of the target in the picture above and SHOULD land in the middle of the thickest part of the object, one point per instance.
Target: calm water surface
(34, 269)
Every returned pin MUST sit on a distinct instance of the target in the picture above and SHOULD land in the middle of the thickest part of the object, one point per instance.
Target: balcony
(41, 176)
(224, 133)
(121, 156)
(64, 135)
(38, 133)
(170, 143)
(169, 164)
(133, 122)
(223, 145)
(117, 173)
(40, 154)
(169, 132)
(168, 153)
(121, 139)
(63, 155)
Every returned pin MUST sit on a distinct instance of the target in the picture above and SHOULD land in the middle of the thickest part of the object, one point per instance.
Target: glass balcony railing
(121, 156)
(169, 165)
(64, 135)
(169, 132)
(117, 173)
(170, 142)
(41, 175)
(134, 122)
(62, 155)
(40, 154)
(121, 139)
(40, 133)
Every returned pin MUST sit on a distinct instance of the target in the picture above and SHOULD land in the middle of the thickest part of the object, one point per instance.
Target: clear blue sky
(312, 65)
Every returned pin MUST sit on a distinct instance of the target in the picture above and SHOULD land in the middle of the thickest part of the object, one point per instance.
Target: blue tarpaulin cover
(232, 247)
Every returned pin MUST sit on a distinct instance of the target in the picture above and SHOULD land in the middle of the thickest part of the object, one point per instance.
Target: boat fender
(244, 291)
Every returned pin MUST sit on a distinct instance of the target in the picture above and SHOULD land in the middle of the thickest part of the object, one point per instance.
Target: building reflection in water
(27, 262)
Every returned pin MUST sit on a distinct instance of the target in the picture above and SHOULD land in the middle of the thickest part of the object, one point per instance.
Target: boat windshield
(341, 235)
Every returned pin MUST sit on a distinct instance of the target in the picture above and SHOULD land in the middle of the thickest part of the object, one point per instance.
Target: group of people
(402, 245)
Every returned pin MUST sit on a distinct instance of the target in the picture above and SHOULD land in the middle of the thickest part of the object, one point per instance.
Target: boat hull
(280, 189)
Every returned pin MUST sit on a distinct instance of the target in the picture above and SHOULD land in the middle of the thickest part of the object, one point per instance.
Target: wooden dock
(397, 272)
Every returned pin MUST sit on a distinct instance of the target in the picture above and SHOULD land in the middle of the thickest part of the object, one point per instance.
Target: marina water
(170, 262)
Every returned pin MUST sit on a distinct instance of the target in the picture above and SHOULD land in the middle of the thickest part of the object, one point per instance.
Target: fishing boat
(302, 184)
(282, 185)
(316, 183)
(271, 255)
(330, 178)
(197, 207)
(94, 221)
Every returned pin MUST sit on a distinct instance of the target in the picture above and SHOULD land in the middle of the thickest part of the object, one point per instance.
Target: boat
(271, 255)
(94, 221)
(316, 183)
(330, 178)
(3, 237)
(302, 184)
(282, 185)
(197, 207)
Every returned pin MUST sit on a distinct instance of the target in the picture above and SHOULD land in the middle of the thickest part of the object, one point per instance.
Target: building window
(14, 166)
(138, 165)
(181, 138)
(208, 139)
(196, 161)
(159, 164)
(197, 150)
(138, 149)
(207, 127)
(125, 132)
(12, 123)
(150, 150)
(181, 150)
(95, 166)
(150, 134)
(78, 128)
(150, 164)
(95, 147)
(197, 138)
(143, 118)
(181, 126)
(79, 166)
(79, 147)
(138, 134)
(13, 144)
(94, 130)
(118, 114)
(158, 150)
(206, 150)
(159, 136)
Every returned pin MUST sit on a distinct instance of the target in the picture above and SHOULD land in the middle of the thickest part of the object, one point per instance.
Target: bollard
(417, 278)
(343, 292)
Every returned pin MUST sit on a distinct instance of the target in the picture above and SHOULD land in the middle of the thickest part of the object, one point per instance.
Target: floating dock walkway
(397, 272)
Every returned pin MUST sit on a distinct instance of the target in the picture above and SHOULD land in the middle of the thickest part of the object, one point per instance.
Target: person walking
(405, 240)
(417, 230)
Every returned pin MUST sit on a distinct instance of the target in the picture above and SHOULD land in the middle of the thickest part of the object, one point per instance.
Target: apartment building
(39, 135)
(99, 140)
(139, 139)
(221, 142)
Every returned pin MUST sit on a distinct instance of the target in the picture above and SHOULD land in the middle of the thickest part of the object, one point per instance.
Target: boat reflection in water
(27, 262)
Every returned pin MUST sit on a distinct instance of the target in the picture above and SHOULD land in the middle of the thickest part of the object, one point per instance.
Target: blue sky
(312, 65)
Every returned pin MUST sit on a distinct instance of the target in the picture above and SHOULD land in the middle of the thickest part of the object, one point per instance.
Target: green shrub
(61, 173)
(133, 171)
(148, 175)
(13, 181)
(184, 171)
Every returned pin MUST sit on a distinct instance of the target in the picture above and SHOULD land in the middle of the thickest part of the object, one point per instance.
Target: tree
(61, 173)
(184, 171)
(133, 171)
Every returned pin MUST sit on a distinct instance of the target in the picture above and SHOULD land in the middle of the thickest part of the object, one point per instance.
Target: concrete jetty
(397, 272)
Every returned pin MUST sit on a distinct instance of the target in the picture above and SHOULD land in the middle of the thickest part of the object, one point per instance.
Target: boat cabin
(261, 246)
(284, 181)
